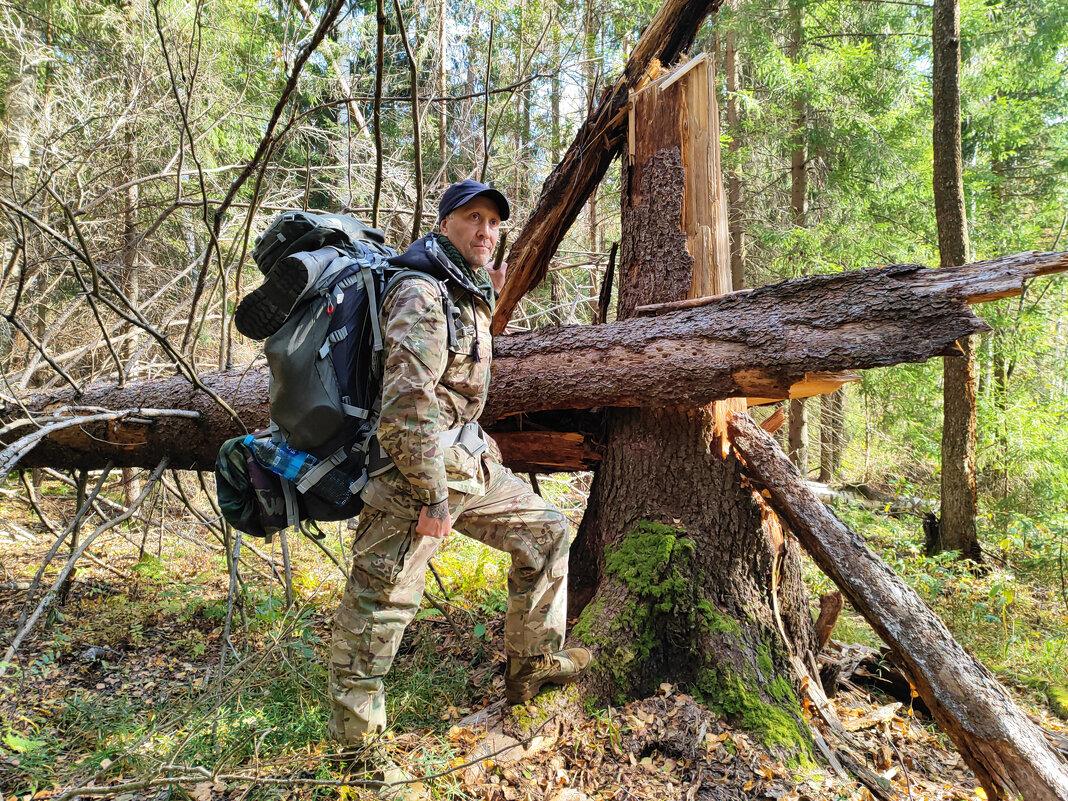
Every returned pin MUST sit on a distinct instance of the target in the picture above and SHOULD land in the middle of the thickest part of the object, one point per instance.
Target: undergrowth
(153, 701)
(1012, 613)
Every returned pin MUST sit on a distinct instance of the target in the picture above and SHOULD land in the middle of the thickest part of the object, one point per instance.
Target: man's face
(473, 229)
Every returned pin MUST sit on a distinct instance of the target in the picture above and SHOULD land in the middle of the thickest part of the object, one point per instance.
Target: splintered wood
(676, 111)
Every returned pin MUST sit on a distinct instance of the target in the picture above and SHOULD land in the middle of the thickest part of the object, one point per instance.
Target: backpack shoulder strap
(401, 276)
(452, 313)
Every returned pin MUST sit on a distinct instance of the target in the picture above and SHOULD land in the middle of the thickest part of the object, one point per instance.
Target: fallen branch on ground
(1008, 753)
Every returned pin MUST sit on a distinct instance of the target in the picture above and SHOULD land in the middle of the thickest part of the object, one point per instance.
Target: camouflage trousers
(385, 587)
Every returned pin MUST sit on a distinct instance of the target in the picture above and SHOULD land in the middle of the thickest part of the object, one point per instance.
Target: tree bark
(442, 84)
(687, 575)
(759, 343)
(797, 434)
(1002, 746)
(129, 276)
(959, 496)
(597, 143)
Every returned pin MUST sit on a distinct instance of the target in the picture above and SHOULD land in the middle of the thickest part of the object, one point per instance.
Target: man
(445, 475)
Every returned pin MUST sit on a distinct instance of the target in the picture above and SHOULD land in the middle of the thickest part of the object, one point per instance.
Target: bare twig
(485, 105)
(287, 568)
(79, 515)
(268, 141)
(380, 36)
(604, 299)
(413, 70)
(144, 784)
(234, 558)
(441, 607)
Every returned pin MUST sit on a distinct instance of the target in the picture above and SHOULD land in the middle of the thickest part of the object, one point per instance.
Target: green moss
(650, 561)
(764, 661)
(727, 694)
(1058, 700)
(781, 691)
(715, 622)
(584, 626)
(530, 716)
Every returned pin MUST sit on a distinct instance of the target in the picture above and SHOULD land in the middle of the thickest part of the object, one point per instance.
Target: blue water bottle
(294, 465)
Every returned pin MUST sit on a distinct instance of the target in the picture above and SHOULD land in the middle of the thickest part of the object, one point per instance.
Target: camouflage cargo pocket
(459, 464)
(382, 545)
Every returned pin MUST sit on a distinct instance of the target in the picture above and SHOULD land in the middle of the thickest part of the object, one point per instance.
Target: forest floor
(120, 694)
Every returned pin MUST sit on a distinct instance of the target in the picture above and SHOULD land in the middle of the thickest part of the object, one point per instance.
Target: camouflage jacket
(429, 387)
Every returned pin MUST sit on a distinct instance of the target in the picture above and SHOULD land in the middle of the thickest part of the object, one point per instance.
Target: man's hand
(497, 276)
(434, 521)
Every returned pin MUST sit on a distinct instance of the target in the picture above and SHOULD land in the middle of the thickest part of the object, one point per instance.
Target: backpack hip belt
(468, 436)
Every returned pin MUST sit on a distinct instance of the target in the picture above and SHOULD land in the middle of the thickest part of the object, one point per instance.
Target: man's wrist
(438, 511)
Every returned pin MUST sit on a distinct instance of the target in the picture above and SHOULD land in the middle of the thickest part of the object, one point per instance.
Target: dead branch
(11, 455)
(413, 67)
(60, 539)
(1008, 753)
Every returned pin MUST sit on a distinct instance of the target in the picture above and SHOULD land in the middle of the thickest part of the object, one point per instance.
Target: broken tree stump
(595, 146)
(1008, 753)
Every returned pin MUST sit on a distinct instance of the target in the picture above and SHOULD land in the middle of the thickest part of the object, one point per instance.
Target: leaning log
(1007, 752)
(595, 146)
(761, 343)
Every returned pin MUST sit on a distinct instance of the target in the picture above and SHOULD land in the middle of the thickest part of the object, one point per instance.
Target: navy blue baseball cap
(463, 191)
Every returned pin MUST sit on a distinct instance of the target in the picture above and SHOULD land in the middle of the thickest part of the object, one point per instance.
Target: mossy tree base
(697, 586)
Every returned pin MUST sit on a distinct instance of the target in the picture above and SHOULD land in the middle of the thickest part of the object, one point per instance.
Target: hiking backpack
(318, 312)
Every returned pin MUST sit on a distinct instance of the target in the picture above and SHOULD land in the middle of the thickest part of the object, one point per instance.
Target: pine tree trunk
(683, 573)
(1000, 389)
(442, 86)
(798, 425)
(735, 183)
(131, 286)
(797, 436)
(959, 495)
(832, 434)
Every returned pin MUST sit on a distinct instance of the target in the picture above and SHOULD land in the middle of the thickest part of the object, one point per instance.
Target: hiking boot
(526, 674)
(373, 764)
(265, 309)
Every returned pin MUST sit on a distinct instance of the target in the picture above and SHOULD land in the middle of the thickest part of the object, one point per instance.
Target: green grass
(164, 626)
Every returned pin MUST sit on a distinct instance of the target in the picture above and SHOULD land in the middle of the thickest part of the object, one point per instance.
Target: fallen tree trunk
(595, 146)
(556, 443)
(1007, 752)
(765, 343)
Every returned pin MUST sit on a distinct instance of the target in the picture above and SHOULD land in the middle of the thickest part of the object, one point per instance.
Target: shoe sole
(266, 308)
